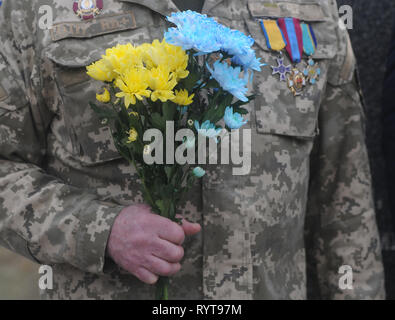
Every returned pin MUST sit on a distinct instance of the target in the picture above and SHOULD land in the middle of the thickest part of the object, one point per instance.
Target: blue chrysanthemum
(248, 60)
(188, 33)
(198, 172)
(233, 120)
(205, 35)
(208, 129)
(230, 80)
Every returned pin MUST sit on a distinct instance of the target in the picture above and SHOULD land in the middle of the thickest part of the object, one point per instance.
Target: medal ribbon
(309, 39)
(293, 36)
(274, 37)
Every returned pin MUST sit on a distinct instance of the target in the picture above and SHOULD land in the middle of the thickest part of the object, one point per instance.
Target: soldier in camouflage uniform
(304, 210)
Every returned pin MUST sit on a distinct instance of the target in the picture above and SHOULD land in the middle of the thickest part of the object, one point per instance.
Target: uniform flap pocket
(277, 112)
(72, 53)
(90, 137)
(70, 59)
(90, 140)
(303, 11)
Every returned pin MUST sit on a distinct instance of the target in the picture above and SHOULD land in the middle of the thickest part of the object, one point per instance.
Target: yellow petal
(103, 97)
(133, 135)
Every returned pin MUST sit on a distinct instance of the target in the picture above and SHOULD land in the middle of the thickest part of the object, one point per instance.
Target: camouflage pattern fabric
(194, 5)
(304, 210)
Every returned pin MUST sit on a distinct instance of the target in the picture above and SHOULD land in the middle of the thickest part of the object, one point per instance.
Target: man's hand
(146, 244)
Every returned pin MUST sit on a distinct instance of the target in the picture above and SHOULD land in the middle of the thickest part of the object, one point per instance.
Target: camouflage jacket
(304, 210)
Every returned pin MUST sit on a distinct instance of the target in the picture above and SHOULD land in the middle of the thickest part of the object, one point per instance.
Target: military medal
(296, 82)
(87, 9)
(297, 38)
(312, 71)
(275, 41)
(281, 69)
(293, 35)
(292, 31)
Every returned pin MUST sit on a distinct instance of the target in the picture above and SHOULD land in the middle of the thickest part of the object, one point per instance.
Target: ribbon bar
(292, 32)
(274, 37)
(309, 39)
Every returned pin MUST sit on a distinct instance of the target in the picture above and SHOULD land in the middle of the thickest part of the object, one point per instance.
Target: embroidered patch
(93, 28)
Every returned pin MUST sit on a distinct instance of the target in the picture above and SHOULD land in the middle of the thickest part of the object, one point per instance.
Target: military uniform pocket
(277, 110)
(75, 45)
(90, 139)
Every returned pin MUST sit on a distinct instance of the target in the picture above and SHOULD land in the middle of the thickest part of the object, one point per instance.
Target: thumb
(190, 228)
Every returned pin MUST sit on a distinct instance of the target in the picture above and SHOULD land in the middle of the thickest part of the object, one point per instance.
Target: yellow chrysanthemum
(123, 57)
(101, 70)
(133, 84)
(183, 98)
(103, 97)
(177, 60)
(162, 83)
(132, 135)
(162, 53)
(136, 70)
(114, 62)
(121, 51)
(149, 55)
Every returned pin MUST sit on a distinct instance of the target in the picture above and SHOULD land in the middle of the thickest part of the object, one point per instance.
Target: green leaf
(209, 115)
(169, 172)
(124, 116)
(176, 181)
(228, 100)
(242, 111)
(164, 206)
(161, 205)
(103, 113)
(158, 122)
(169, 110)
(242, 103)
(134, 122)
(189, 82)
(212, 84)
(215, 114)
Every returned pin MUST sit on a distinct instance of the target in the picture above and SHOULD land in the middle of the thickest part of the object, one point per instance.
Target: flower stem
(162, 289)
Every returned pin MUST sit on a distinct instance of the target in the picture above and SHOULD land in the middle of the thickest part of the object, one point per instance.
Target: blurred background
(18, 277)
(371, 36)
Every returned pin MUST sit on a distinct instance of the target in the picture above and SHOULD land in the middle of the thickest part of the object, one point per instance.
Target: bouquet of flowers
(191, 81)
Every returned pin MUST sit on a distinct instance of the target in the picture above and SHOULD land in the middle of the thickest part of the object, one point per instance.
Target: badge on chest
(87, 9)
